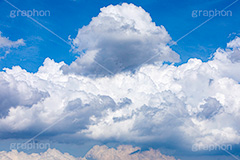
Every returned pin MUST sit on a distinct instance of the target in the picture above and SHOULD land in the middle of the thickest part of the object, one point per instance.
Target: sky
(135, 79)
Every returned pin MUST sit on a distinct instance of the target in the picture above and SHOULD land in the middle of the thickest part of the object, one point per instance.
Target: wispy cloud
(6, 45)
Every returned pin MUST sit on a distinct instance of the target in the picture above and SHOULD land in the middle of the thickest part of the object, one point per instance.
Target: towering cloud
(120, 38)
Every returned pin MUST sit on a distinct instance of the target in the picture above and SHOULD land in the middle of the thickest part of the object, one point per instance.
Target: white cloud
(234, 43)
(6, 44)
(156, 104)
(17, 93)
(196, 101)
(120, 38)
(235, 54)
(96, 153)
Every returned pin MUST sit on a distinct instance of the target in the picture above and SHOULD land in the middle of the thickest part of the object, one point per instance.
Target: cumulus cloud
(96, 153)
(120, 38)
(197, 102)
(235, 55)
(17, 93)
(234, 43)
(6, 45)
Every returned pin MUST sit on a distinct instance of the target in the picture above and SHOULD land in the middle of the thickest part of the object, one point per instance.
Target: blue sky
(88, 76)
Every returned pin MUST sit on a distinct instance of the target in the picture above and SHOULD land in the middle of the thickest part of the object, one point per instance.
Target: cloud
(227, 62)
(6, 45)
(120, 38)
(235, 55)
(5, 42)
(234, 43)
(193, 103)
(197, 102)
(52, 154)
(210, 108)
(124, 152)
(17, 93)
(96, 153)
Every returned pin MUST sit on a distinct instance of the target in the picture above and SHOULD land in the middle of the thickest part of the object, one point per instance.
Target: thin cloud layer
(120, 38)
(96, 153)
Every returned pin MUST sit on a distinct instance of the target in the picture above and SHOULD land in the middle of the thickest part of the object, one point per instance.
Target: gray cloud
(17, 93)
